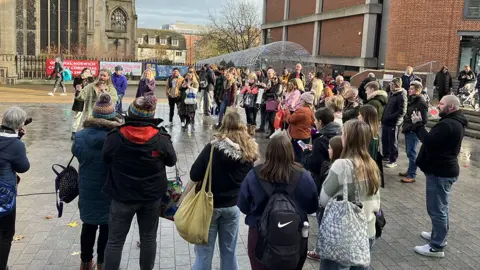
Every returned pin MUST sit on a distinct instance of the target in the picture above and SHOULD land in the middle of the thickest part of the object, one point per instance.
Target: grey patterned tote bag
(343, 236)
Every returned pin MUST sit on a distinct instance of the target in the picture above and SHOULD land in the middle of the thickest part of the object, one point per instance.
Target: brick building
(354, 35)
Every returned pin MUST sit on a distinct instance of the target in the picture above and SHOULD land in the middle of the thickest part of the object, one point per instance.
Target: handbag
(271, 105)
(170, 201)
(343, 235)
(278, 122)
(8, 195)
(194, 215)
(66, 185)
(191, 96)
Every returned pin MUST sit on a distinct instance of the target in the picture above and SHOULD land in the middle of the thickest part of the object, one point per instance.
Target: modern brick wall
(275, 10)
(339, 37)
(419, 32)
(276, 34)
(299, 8)
(302, 34)
(337, 4)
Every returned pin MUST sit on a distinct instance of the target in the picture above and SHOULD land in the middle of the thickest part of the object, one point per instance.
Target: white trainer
(63, 94)
(426, 235)
(50, 94)
(426, 250)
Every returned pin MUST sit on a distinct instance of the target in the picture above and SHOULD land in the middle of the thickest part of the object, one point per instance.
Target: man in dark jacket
(314, 158)
(466, 76)
(298, 74)
(416, 103)
(218, 87)
(438, 159)
(409, 77)
(392, 119)
(443, 82)
(362, 93)
(136, 155)
(376, 97)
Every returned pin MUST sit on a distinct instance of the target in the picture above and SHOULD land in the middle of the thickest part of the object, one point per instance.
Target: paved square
(50, 244)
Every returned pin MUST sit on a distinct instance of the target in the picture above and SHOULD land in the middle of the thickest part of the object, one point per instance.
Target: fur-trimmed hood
(377, 93)
(102, 123)
(229, 148)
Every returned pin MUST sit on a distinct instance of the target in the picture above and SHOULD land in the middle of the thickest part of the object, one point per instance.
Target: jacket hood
(96, 130)
(6, 139)
(102, 123)
(142, 133)
(331, 129)
(379, 95)
(459, 116)
(398, 90)
(229, 148)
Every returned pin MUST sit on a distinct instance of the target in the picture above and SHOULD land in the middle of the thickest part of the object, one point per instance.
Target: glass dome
(277, 54)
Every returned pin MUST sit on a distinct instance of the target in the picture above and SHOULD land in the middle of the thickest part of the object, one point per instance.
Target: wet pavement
(50, 244)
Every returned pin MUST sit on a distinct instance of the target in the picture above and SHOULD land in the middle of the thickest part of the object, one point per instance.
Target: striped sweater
(342, 171)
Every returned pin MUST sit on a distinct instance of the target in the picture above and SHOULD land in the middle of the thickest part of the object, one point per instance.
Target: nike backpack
(280, 239)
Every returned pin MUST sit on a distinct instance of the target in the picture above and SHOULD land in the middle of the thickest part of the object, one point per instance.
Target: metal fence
(34, 67)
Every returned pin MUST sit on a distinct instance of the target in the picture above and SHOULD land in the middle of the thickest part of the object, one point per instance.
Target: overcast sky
(155, 13)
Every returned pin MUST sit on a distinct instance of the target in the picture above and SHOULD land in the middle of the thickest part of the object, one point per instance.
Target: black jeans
(172, 102)
(87, 241)
(263, 113)
(121, 216)
(270, 118)
(390, 142)
(7, 231)
(251, 115)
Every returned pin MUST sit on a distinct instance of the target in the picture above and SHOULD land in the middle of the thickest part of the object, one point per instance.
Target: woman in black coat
(443, 82)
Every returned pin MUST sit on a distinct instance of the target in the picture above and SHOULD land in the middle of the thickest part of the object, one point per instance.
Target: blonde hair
(252, 76)
(336, 103)
(194, 79)
(357, 136)
(234, 129)
(150, 77)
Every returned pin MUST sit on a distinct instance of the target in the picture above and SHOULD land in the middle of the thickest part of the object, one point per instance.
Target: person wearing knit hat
(104, 107)
(93, 204)
(301, 123)
(143, 107)
(136, 155)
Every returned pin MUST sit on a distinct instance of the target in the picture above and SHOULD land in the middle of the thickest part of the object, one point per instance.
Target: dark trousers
(270, 117)
(256, 264)
(251, 115)
(121, 216)
(298, 150)
(119, 104)
(87, 241)
(59, 81)
(172, 102)
(390, 142)
(263, 113)
(7, 231)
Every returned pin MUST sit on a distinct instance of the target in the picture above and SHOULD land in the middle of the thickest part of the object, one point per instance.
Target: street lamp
(117, 43)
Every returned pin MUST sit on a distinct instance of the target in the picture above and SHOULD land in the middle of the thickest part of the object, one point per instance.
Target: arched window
(118, 20)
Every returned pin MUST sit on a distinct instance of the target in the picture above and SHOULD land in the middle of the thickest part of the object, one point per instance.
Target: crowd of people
(329, 145)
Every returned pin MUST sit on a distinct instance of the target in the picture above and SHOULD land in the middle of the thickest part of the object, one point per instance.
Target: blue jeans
(223, 109)
(225, 222)
(411, 143)
(332, 265)
(438, 197)
(119, 105)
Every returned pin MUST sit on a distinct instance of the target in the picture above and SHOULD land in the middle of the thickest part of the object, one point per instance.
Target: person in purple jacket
(279, 170)
(146, 85)
(120, 83)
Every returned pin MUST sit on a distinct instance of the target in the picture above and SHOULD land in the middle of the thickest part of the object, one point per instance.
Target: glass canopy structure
(277, 54)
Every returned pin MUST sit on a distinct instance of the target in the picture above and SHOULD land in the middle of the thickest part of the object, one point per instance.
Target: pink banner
(75, 66)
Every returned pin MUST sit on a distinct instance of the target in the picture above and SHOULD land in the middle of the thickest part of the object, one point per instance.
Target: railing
(430, 67)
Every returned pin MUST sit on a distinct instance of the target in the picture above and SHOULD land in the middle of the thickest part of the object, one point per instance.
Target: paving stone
(48, 244)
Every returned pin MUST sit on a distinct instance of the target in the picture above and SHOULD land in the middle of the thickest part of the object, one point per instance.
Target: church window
(118, 20)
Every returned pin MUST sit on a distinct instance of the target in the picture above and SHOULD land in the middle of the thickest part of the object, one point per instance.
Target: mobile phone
(302, 144)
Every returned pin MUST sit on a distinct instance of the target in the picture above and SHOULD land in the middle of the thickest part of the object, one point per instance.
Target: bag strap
(354, 181)
(208, 174)
(70, 162)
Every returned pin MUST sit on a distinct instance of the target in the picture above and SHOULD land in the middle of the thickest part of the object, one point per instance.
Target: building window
(163, 41)
(178, 54)
(175, 42)
(472, 9)
(118, 20)
(140, 40)
(152, 41)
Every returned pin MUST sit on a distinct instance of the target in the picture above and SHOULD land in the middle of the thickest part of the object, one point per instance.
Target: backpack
(66, 185)
(203, 83)
(67, 75)
(279, 244)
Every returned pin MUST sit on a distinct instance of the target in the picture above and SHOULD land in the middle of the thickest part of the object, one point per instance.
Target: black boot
(73, 136)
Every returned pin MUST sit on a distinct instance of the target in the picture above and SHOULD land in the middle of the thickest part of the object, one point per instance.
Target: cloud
(155, 13)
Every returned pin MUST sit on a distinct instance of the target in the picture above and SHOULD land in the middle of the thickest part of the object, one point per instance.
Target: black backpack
(66, 185)
(203, 83)
(279, 244)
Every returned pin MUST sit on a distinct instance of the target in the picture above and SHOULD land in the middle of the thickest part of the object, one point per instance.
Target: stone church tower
(100, 28)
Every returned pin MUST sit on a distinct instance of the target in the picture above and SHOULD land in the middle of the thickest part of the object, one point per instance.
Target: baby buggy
(468, 96)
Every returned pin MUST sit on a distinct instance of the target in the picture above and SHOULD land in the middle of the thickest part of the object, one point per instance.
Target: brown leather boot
(87, 266)
(408, 180)
(251, 130)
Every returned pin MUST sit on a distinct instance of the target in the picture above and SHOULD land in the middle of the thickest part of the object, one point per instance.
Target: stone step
(472, 131)
(471, 112)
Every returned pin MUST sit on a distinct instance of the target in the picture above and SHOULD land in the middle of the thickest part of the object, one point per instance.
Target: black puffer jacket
(415, 103)
(228, 171)
(396, 108)
(441, 146)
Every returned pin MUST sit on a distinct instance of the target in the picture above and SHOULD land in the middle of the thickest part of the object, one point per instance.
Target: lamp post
(116, 42)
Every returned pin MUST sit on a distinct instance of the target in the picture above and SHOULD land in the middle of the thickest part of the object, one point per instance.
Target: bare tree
(235, 26)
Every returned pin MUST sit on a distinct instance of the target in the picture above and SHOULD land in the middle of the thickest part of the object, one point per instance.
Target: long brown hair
(370, 116)
(356, 138)
(234, 129)
(279, 160)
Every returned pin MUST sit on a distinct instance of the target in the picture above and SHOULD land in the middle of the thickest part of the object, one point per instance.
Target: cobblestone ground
(50, 244)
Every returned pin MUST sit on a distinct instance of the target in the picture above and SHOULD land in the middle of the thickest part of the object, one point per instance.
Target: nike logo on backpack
(280, 225)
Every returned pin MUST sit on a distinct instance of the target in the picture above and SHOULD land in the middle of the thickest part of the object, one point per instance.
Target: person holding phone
(417, 104)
